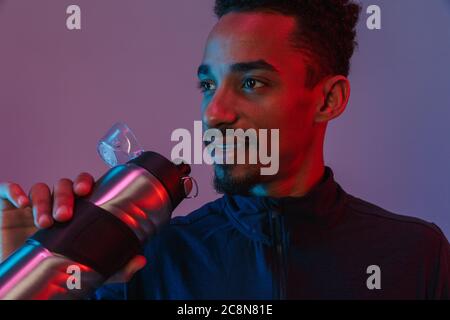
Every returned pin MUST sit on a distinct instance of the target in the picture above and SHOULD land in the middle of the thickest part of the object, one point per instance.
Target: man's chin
(235, 179)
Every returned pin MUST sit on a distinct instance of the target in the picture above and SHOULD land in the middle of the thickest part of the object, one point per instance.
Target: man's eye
(252, 84)
(206, 85)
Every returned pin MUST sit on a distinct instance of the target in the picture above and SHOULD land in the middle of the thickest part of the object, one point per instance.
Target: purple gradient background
(135, 61)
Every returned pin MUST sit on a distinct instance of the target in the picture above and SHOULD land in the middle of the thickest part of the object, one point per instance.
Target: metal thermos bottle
(126, 207)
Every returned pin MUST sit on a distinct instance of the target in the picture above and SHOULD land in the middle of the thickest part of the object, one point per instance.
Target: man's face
(252, 77)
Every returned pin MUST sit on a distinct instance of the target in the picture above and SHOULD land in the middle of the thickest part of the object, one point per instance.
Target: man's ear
(335, 93)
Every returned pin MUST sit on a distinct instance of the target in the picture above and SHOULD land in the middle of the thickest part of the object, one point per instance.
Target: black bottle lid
(169, 174)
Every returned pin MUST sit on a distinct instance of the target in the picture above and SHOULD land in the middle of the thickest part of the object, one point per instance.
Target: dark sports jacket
(325, 245)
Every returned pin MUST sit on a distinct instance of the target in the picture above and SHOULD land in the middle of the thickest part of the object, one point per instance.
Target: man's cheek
(290, 150)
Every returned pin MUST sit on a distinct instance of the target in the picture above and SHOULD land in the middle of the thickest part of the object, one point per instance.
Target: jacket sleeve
(442, 271)
(114, 291)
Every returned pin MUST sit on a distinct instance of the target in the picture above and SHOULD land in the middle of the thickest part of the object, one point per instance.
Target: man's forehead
(255, 24)
(243, 37)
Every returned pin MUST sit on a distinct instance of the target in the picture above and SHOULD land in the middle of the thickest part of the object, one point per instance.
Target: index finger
(83, 184)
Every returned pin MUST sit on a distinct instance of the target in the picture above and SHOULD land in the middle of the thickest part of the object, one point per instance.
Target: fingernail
(81, 188)
(22, 201)
(44, 222)
(62, 213)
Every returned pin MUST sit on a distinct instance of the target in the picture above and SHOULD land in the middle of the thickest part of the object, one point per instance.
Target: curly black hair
(325, 30)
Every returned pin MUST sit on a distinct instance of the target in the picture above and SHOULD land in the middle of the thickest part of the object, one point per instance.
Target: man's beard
(226, 182)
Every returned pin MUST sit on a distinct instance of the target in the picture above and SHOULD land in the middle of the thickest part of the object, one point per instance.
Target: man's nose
(220, 111)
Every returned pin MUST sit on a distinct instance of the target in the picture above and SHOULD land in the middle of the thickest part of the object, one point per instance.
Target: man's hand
(21, 216)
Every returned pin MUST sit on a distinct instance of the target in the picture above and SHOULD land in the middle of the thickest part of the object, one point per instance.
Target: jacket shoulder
(195, 227)
(208, 211)
(402, 224)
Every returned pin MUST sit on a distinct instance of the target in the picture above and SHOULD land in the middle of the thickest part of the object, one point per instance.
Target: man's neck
(299, 184)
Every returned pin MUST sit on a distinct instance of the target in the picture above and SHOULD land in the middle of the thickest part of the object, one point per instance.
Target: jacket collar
(322, 206)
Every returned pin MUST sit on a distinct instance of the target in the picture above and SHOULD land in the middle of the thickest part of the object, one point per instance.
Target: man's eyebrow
(241, 67)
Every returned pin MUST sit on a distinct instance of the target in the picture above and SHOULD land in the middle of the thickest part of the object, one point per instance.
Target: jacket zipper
(280, 265)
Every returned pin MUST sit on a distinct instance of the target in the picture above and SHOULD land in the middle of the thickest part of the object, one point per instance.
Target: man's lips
(224, 143)
(227, 146)
(232, 143)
